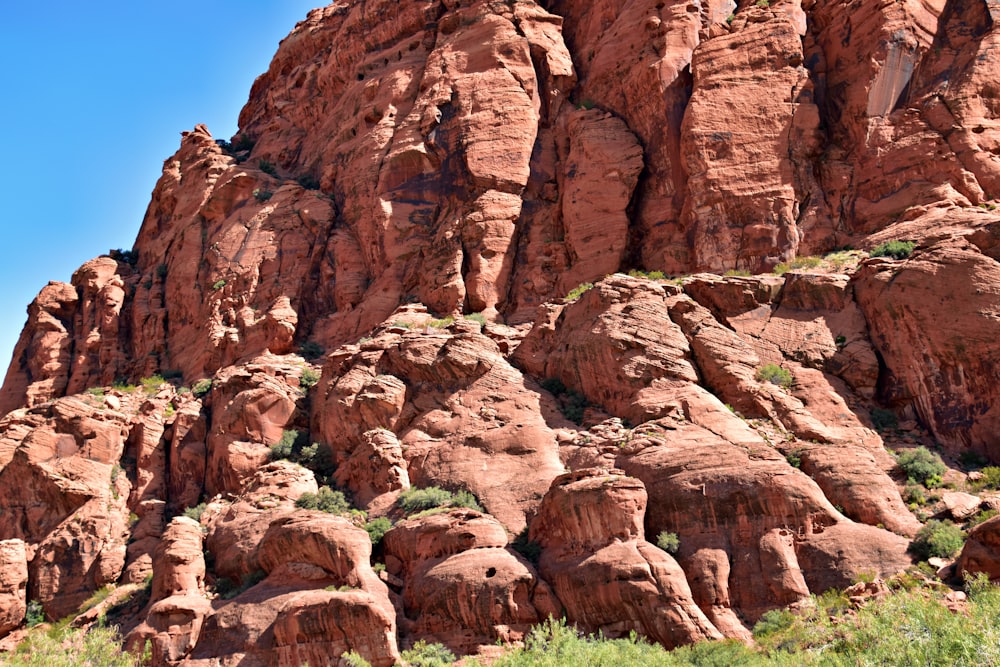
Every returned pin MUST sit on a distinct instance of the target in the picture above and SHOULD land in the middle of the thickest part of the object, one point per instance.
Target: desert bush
(921, 465)
(476, 317)
(884, 420)
(669, 542)
(311, 350)
(377, 528)
(325, 500)
(775, 374)
(152, 384)
(894, 249)
(201, 387)
(427, 655)
(195, 512)
(266, 167)
(218, 284)
(309, 378)
(937, 539)
(308, 181)
(419, 500)
(578, 291)
(442, 323)
(527, 547)
(262, 195)
(72, 647)
(991, 477)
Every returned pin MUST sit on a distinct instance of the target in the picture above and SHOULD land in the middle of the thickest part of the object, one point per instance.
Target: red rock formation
(608, 578)
(13, 582)
(981, 553)
(463, 587)
(401, 164)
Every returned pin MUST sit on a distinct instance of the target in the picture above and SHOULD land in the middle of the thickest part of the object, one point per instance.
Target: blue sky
(95, 97)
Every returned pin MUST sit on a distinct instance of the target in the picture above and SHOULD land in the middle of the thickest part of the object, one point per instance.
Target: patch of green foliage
(96, 391)
(415, 500)
(201, 387)
(377, 528)
(311, 350)
(578, 291)
(797, 263)
(794, 458)
(990, 477)
(884, 420)
(527, 547)
(152, 384)
(651, 275)
(218, 284)
(228, 589)
(894, 249)
(72, 647)
(937, 539)
(427, 655)
(442, 323)
(34, 614)
(776, 375)
(983, 516)
(123, 385)
(476, 317)
(266, 167)
(309, 378)
(354, 659)
(326, 500)
(308, 181)
(195, 512)
(572, 404)
(922, 466)
(737, 273)
(669, 542)
(262, 195)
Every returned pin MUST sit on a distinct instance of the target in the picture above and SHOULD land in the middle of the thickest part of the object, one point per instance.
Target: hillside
(629, 311)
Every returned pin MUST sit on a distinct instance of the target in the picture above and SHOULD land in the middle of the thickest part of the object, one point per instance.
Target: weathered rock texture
(415, 191)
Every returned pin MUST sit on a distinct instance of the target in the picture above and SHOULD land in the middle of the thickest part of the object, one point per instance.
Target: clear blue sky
(95, 95)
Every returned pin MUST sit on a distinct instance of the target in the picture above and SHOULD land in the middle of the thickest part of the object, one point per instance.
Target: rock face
(407, 270)
(606, 575)
(981, 553)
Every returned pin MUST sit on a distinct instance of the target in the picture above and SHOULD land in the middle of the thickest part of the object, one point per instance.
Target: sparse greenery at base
(797, 263)
(201, 387)
(377, 528)
(884, 420)
(427, 655)
(63, 646)
(775, 374)
(894, 249)
(309, 378)
(420, 500)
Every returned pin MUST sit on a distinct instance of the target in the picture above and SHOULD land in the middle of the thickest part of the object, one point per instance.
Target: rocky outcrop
(409, 254)
(13, 584)
(981, 553)
(607, 576)
(463, 586)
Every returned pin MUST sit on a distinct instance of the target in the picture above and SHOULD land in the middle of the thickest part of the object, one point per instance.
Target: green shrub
(776, 375)
(152, 384)
(572, 404)
(201, 387)
(651, 275)
(476, 317)
(921, 465)
(894, 249)
(218, 284)
(797, 263)
(377, 528)
(991, 477)
(326, 500)
(463, 498)
(354, 659)
(228, 589)
(72, 647)
(309, 378)
(669, 542)
(528, 548)
(983, 516)
(578, 291)
(195, 512)
(34, 614)
(763, 4)
(266, 167)
(737, 273)
(262, 195)
(308, 181)
(417, 500)
(914, 494)
(773, 621)
(884, 420)
(937, 539)
(96, 391)
(442, 323)
(427, 655)
(794, 458)
(311, 350)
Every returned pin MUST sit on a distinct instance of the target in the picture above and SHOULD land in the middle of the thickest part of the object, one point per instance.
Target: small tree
(938, 539)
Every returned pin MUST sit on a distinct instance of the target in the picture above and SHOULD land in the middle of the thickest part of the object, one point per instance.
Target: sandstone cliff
(385, 260)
